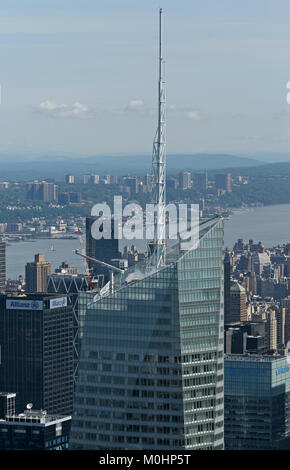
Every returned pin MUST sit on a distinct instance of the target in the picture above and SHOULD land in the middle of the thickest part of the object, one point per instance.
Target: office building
(86, 179)
(149, 179)
(63, 198)
(184, 179)
(235, 340)
(281, 326)
(201, 182)
(257, 402)
(102, 249)
(32, 429)
(37, 358)
(46, 191)
(238, 303)
(224, 181)
(286, 305)
(94, 179)
(151, 366)
(69, 179)
(271, 331)
(36, 273)
(2, 265)
(132, 183)
(73, 285)
(227, 288)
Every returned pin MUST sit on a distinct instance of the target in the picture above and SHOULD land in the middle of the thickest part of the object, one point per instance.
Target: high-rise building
(36, 273)
(45, 191)
(257, 402)
(200, 180)
(281, 326)
(149, 182)
(94, 179)
(224, 181)
(238, 303)
(184, 179)
(227, 288)
(272, 330)
(86, 179)
(69, 179)
(102, 249)
(132, 183)
(73, 285)
(37, 358)
(286, 304)
(235, 340)
(151, 366)
(2, 265)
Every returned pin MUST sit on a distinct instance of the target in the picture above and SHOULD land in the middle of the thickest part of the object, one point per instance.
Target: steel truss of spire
(159, 162)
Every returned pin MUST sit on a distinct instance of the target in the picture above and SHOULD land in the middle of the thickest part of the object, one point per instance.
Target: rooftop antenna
(159, 163)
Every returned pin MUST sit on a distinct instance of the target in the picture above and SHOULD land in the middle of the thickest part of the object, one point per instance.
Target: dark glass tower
(257, 402)
(2, 265)
(103, 249)
(37, 359)
(151, 366)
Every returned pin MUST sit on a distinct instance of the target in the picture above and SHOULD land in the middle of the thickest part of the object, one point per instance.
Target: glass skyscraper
(257, 402)
(151, 365)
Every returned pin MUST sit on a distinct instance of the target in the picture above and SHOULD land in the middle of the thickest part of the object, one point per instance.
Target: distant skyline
(79, 77)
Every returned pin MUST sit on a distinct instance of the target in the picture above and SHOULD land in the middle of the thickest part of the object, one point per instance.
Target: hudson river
(270, 225)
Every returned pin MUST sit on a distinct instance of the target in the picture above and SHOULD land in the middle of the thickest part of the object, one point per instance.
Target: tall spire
(159, 161)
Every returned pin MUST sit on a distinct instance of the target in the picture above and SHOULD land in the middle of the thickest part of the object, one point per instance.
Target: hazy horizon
(80, 77)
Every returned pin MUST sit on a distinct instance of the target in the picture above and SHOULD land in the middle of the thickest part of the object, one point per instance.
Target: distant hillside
(281, 169)
(17, 168)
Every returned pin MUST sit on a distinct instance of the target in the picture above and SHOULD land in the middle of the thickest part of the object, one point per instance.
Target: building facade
(238, 303)
(103, 249)
(257, 402)
(36, 274)
(151, 367)
(37, 357)
(34, 430)
(76, 287)
(2, 265)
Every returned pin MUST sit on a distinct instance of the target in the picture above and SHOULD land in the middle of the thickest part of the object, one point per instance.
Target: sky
(80, 77)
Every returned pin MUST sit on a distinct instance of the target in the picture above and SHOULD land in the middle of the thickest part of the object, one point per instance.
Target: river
(269, 224)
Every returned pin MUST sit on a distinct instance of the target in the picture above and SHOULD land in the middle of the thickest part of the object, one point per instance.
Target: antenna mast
(159, 161)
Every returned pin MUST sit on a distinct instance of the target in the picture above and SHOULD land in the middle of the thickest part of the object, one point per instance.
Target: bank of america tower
(151, 363)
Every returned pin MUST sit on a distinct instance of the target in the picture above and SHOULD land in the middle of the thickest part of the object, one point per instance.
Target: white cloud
(192, 115)
(135, 105)
(76, 110)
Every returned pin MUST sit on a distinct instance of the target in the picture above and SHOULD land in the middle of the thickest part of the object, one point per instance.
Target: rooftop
(253, 357)
(35, 417)
(145, 268)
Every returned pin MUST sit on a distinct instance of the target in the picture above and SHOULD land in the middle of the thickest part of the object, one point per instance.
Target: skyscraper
(272, 330)
(36, 273)
(184, 179)
(151, 366)
(224, 181)
(257, 399)
(201, 182)
(238, 303)
(45, 191)
(37, 358)
(227, 288)
(103, 249)
(73, 285)
(69, 179)
(2, 265)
